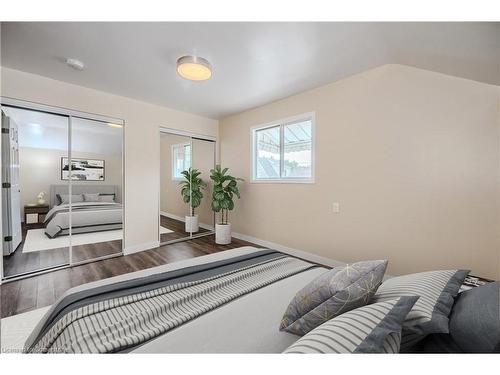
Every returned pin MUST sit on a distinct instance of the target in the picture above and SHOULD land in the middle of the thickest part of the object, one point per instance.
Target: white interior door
(15, 190)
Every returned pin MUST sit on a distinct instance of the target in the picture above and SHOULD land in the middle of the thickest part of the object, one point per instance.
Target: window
(181, 159)
(283, 151)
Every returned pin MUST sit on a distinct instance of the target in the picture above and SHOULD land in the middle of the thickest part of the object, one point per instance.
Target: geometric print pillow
(436, 290)
(372, 328)
(331, 294)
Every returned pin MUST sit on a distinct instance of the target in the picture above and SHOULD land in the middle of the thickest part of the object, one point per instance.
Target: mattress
(248, 324)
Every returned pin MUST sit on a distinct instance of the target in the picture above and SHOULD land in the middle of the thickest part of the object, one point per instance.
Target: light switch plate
(336, 207)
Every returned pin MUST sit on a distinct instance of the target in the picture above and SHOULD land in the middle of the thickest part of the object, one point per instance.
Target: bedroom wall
(412, 157)
(142, 150)
(40, 168)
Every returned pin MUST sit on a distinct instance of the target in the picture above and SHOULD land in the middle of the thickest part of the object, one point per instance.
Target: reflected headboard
(83, 189)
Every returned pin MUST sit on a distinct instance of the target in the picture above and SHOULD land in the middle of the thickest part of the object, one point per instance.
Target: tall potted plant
(191, 192)
(224, 189)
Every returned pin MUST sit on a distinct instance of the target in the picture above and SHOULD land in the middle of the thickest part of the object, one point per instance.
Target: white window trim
(172, 153)
(284, 180)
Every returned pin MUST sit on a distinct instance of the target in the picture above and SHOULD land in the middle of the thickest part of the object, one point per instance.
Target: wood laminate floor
(19, 262)
(178, 228)
(39, 291)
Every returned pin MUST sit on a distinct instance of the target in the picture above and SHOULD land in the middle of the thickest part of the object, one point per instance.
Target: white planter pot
(223, 234)
(192, 224)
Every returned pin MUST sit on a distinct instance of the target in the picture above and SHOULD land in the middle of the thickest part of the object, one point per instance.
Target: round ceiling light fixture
(194, 68)
(75, 64)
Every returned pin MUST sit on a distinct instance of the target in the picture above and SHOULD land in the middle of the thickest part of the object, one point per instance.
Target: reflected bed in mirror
(39, 217)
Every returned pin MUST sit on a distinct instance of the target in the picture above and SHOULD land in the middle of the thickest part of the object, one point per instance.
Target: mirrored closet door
(185, 188)
(61, 190)
(96, 189)
(203, 162)
(33, 144)
(175, 163)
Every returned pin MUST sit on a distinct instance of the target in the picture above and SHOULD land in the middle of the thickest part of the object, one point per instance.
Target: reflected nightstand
(35, 214)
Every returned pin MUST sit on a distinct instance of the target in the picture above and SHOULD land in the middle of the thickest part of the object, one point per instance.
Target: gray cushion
(430, 314)
(64, 198)
(474, 323)
(373, 328)
(109, 198)
(333, 293)
(91, 197)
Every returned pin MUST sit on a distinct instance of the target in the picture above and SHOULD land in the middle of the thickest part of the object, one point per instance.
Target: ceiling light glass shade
(194, 68)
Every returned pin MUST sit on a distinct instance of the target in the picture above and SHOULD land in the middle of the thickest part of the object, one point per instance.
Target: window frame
(309, 116)
(173, 157)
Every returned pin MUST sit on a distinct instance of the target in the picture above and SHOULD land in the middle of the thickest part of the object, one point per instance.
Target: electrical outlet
(336, 207)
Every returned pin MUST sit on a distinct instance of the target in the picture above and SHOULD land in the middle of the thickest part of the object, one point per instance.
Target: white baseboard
(183, 219)
(140, 247)
(289, 250)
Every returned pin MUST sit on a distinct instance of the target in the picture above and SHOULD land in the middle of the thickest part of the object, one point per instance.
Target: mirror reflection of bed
(96, 223)
(36, 209)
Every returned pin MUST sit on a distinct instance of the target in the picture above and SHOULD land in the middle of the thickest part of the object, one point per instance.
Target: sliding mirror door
(203, 161)
(185, 187)
(175, 162)
(33, 144)
(96, 189)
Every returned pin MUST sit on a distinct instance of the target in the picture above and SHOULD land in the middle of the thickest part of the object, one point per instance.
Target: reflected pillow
(109, 198)
(333, 293)
(64, 198)
(91, 197)
(372, 328)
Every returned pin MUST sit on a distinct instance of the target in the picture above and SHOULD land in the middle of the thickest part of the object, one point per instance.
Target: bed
(241, 325)
(86, 217)
(228, 302)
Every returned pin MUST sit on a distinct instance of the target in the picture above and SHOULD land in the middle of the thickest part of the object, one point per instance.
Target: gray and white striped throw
(119, 323)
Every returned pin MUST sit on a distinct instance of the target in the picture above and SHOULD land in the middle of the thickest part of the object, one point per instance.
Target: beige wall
(412, 157)
(203, 160)
(141, 132)
(40, 168)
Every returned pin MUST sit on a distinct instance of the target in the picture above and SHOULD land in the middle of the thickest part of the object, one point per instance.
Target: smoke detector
(75, 64)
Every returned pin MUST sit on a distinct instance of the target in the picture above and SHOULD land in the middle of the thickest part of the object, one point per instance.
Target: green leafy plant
(192, 187)
(224, 189)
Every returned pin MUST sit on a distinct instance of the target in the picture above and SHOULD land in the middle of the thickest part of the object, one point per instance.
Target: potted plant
(224, 189)
(191, 193)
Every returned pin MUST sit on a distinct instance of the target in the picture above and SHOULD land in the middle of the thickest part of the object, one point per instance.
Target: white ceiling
(253, 63)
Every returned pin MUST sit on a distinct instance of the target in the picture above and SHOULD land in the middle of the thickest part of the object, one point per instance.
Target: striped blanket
(124, 322)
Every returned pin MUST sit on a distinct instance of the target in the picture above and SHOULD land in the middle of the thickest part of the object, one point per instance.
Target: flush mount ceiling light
(194, 68)
(75, 64)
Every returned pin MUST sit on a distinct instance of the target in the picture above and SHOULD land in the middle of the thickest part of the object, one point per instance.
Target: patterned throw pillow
(333, 293)
(373, 328)
(436, 289)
